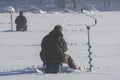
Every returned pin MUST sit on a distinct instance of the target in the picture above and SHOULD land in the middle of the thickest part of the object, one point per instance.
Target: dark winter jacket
(21, 20)
(53, 47)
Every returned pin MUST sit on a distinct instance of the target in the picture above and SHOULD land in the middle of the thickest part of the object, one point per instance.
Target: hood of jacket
(55, 33)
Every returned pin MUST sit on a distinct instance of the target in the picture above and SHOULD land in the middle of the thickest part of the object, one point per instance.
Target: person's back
(21, 22)
(51, 53)
(50, 50)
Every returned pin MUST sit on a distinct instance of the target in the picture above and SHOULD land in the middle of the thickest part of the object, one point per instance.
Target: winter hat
(21, 13)
(58, 28)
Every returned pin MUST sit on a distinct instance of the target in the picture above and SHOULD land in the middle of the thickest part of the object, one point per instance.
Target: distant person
(21, 22)
(53, 48)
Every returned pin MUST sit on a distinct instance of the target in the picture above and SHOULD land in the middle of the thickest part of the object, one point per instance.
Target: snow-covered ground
(21, 49)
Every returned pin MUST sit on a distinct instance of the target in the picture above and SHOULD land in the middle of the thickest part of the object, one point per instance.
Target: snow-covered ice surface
(19, 50)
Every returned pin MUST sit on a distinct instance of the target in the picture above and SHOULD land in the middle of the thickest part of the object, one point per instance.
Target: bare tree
(60, 3)
(40, 1)
(74, 3)
(107, 3)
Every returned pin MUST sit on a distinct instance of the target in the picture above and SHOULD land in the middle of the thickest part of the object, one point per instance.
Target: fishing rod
(88, 34)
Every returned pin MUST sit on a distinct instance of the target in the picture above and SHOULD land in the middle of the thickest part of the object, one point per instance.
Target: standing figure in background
(21, 22)
(53, 48)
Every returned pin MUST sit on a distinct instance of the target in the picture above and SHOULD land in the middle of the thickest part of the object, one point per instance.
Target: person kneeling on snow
(53, 48)
(21, 22)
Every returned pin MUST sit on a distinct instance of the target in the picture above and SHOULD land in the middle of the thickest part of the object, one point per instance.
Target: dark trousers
(21, 28)
(52, 68)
